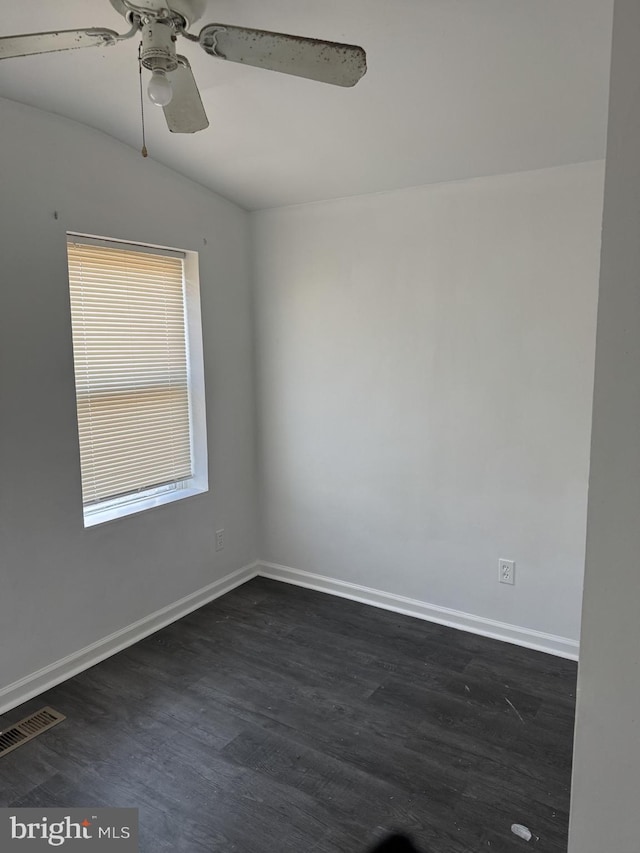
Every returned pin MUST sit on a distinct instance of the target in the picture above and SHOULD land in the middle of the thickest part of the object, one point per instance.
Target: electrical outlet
(507, 571)
(219, 540)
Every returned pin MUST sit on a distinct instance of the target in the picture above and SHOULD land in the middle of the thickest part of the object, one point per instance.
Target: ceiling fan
(172, 85)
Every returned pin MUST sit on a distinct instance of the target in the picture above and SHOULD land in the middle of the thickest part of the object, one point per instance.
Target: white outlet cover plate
(507, 571)
(220, 540)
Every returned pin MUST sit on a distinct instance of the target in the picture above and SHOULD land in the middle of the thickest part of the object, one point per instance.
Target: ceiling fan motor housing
(188, 10)
(158, 46)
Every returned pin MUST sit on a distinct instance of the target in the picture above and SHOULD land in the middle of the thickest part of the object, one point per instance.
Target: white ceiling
(455, 89)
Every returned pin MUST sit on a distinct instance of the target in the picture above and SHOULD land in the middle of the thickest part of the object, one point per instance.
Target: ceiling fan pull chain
(144, 151)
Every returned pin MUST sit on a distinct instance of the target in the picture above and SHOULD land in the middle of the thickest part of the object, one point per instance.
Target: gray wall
(425, 373)
(425, 370)
(64, 587)
(606, 784)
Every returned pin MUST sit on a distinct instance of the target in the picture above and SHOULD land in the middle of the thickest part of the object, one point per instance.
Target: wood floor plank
(282, 719)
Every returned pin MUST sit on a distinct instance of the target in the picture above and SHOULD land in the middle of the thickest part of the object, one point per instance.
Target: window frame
(133, 503)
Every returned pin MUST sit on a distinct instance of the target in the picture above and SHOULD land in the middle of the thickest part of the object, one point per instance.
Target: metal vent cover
(28, 728)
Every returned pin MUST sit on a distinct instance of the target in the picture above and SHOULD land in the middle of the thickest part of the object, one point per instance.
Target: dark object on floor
(395, 844)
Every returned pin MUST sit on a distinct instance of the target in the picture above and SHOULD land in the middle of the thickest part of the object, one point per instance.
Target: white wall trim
(550, 643)
(49, 676)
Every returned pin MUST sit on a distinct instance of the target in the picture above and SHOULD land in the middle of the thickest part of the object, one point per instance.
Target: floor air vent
(28, 728)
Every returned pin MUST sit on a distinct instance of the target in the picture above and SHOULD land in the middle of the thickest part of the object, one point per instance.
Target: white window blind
(131, 368)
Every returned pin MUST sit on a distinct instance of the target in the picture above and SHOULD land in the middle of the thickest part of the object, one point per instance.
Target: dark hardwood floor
(280, 719)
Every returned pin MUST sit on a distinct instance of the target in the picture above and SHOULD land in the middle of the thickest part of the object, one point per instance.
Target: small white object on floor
(521, 831)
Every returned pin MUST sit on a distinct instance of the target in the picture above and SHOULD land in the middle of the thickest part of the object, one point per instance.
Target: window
(137, 352)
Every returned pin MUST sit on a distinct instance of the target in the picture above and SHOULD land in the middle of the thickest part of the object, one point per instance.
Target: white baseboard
(44, 679)
(550, 643)
(37, 682)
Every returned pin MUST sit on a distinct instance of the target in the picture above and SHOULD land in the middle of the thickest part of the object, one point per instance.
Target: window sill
(100, 516)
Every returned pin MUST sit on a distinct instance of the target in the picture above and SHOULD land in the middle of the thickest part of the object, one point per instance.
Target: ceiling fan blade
(32, 43)
(185, 113)
(326, 61)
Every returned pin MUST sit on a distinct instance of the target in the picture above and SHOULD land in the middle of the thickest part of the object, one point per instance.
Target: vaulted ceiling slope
(454, 89)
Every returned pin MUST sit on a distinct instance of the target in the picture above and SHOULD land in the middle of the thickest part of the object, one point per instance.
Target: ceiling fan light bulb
(159, 89)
